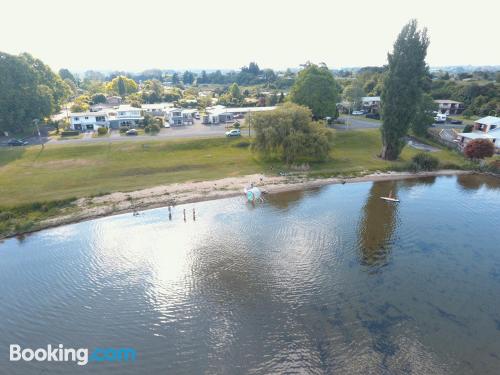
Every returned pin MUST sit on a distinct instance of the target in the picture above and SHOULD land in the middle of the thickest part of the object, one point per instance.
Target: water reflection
(474, 182)
(377, 224)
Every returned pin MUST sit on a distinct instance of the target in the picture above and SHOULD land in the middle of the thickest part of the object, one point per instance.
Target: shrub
(123, 129)
(70, 133)
(152, 128)
(467, 129)
(479, 149)
(102, 131)
(424, 162)
(242, 144)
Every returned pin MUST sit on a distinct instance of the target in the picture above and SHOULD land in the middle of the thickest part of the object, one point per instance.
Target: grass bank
(31, 177)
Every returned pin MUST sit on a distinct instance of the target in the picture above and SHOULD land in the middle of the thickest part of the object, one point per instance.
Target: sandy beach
(189, 192)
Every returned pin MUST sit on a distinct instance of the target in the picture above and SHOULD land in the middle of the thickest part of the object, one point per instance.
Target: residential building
(449, 107)
(220, 114)
(371, 104)
(125, 115)
(88, 121)
(157, 109)
(180, 116)
(487, 124)
(485, 128)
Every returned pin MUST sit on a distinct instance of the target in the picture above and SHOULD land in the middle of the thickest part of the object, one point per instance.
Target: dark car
(17, 142)
(374, 116)
(456, 122)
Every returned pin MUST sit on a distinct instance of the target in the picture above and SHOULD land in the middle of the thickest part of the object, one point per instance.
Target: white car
(358, 113)
(166, 125)
(233, 133)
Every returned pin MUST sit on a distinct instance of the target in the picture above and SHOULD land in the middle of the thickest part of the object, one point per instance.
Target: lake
(329, 280)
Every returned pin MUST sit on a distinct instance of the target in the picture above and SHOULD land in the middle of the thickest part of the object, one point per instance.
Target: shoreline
(191, 192)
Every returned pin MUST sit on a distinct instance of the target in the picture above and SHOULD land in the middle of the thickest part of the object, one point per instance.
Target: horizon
(220, 36)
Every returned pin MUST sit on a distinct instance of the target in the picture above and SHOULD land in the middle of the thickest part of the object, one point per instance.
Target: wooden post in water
(184, 215)
(194, 215)
(169, 213)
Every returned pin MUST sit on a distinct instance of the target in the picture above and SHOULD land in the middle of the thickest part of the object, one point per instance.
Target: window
(76, 118)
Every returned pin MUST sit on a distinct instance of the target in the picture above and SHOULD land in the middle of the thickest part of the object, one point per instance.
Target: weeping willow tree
(403, 88)
(289, 132)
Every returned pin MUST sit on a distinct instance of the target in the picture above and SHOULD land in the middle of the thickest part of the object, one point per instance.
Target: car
(166, 125)
(132, 132)
(233, 133)
(439, 121)
(358, 113)
(197, 116)
(238, 116)
(17, 142)
(456, 122)
(374, 116)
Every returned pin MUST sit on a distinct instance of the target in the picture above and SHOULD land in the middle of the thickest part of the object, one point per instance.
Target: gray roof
(489, 120)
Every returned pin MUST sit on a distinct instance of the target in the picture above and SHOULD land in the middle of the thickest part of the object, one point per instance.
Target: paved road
(357, 122)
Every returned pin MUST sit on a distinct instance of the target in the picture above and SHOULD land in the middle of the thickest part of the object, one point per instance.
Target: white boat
(390, 198)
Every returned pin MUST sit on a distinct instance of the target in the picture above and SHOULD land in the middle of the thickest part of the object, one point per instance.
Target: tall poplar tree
(403, 88)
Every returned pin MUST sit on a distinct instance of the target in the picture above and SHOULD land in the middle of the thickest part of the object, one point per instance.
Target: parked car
(166, 124)
(358, 113)
(233, 133)
(17, 142)
(132, 132)
(374, 116)
(237, 116)
(197, 116)
(456, 122)
(439, 121)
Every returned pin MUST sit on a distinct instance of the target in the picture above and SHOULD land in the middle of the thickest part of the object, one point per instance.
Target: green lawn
(76, 170)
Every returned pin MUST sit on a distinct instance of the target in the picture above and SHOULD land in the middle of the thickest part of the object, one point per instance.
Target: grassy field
(61, 171)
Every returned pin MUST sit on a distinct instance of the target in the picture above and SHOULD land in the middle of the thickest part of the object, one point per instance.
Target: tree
(66, 74)
(498, 77)
(424, 117)
(175, 79)
(122, 86)
(203, 78)
(403, 88)
(290, 132)
(316, 88)
(28, 90)
(479, 149)
(234, 91)
(187, 77)
(354, 93)
(98, 98)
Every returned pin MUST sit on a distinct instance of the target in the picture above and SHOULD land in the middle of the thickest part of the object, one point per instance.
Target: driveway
(357, 122)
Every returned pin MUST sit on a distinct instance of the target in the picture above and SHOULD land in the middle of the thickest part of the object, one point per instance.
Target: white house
(449, 107)
(180, 116)
(157, 109)
(485, 128)
(487, 124)
(84, 121)
(125, 115)
(220, 114)
(371, 104)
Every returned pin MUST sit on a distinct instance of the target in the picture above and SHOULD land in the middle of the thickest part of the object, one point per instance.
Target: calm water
(333, 280)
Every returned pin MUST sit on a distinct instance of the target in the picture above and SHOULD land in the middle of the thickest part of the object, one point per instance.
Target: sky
(228, 34)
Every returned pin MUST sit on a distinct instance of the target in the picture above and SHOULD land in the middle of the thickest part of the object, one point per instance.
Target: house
(371, 104)
(157, 109)
(449, 107)
(220, 114)
(125, 115)
(180, 116)
(114, 100)
(86, 121)
(485, 128)
(487, 124)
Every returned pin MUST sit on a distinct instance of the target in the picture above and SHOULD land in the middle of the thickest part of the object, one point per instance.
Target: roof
(446, 101)
(219, 109)
(489, 120)
(126, 107)
(476, 135)
(87, 114)
(370, 98)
